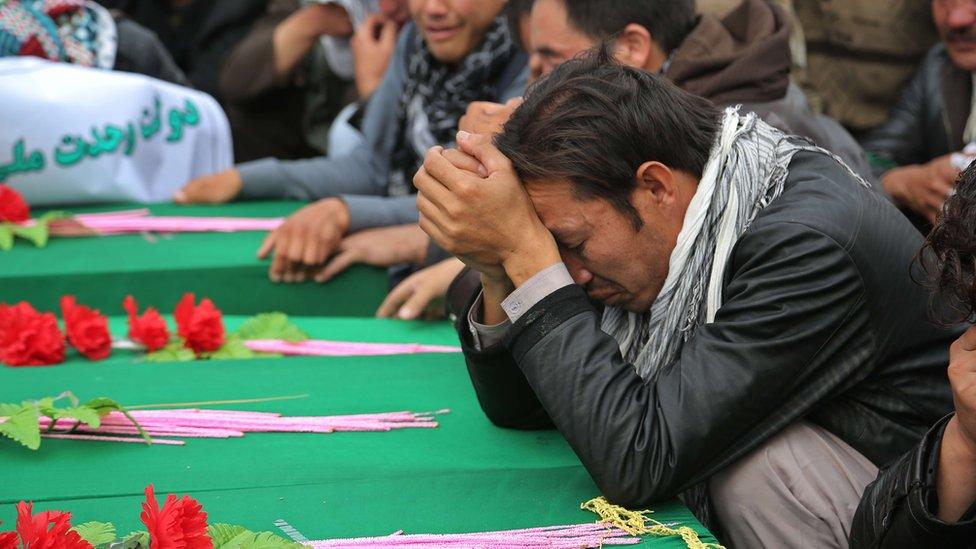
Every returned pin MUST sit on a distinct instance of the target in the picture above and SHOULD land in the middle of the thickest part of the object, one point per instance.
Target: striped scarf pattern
(746, 170)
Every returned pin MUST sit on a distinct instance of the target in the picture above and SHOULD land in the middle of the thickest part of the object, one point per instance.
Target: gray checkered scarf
(745, 172)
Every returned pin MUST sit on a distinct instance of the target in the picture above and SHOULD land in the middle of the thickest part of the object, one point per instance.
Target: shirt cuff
(536, 289)
(482, 335)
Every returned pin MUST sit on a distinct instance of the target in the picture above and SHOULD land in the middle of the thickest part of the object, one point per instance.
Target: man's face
(395, 10)
(956, 22)
(452, 29)
(554, 40)
(616, 264)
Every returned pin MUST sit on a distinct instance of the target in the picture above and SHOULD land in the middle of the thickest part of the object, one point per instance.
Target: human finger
(395, 298)
(336, 265)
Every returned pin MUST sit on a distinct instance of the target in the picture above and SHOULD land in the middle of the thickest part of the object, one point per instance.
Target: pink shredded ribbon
(138, 221)
(591, 535)
(318, 347)
(199, 423)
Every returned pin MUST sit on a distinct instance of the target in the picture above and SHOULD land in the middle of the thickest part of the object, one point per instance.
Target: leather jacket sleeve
(900, 141)
(503, 392)
(792, 332)
(898, 509)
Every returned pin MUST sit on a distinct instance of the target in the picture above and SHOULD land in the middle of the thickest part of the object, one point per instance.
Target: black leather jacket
(929, 119)
(821, 321)
(897, 510)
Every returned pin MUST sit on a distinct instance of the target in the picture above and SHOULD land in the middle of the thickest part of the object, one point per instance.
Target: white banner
(74, 135)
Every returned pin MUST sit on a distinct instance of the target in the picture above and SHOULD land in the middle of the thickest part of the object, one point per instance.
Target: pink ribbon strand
(203, 423)
(139, 221)
(343, 348)
(591, 535)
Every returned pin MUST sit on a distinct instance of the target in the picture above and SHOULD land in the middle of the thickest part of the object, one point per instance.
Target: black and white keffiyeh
(745, 172)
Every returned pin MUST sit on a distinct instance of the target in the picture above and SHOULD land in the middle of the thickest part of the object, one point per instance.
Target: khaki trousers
(800, 489)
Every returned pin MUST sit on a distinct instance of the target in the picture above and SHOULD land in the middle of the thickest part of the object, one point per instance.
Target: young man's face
(956, 22)
(615, 263)
(553, 40)
(453, 29)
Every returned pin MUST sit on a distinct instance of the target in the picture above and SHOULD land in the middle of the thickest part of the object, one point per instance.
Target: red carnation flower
(200, 326)
(8, 540)
(180, 524)
(12, 206)
(148, 329)
(87, 329)
(47, 530)
(29, 338)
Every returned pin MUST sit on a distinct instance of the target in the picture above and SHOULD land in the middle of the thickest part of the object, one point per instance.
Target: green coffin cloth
(467, 475)
(100, 271)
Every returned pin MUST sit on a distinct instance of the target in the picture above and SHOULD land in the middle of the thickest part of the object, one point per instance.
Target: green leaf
(103, 406)
(7, 409)
(232, 349)
(23, 427)
(83, 414)
(6, 236)
(38, 232)
(174, 351)
(267, 540)
(270, 326)
(96, 533)
(141, 537)
(227, 536)
(222, 534)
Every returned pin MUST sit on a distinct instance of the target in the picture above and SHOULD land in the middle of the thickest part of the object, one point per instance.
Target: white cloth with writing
(75, 135)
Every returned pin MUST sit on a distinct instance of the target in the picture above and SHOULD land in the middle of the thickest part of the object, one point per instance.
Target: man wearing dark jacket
(743, 58)
(928, 497)
(735, 353)
(912, 151)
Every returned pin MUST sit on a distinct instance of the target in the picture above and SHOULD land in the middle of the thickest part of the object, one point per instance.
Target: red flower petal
(12, 206)
(180, 524)
(8, 540)
(201, 327)
(183, 314)
(87, 329)
(148, 329)
(29, 338)
(47, 529)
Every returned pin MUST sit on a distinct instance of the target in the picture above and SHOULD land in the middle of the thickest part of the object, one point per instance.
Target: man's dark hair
(949, 254)
(514, 11)
(593, 122)
(668, 21)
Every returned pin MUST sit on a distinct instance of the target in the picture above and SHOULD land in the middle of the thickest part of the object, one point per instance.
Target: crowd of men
(727, 250)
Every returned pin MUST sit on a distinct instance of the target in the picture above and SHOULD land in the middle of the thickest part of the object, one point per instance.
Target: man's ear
(657, 184)
(636, 47)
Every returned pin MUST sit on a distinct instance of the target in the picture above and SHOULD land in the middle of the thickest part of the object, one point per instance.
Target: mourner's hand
(372, 48)
(485, 219)
(923, 188)
(962, 377)
(957, 454)
(210, 189)
(421, 295)
(487, 118)
(305, 239)
(383, 247)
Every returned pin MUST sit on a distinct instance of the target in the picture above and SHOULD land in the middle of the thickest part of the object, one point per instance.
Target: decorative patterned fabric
(70, 31)
(746, 171)
(436, 95)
